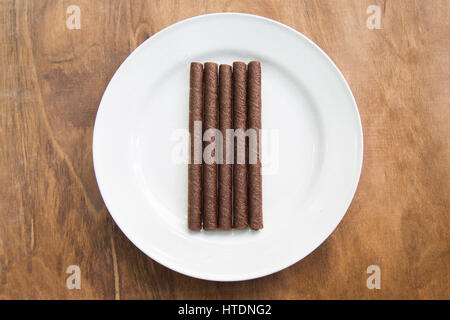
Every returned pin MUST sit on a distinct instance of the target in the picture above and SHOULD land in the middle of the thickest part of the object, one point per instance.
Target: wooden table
(52, 214)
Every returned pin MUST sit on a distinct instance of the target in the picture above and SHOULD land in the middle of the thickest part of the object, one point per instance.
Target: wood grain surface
(52, 214)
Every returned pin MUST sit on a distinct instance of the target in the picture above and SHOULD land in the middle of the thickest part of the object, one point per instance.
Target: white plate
(307, 186)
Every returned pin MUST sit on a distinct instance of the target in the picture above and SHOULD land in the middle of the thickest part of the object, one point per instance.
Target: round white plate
(312, 152)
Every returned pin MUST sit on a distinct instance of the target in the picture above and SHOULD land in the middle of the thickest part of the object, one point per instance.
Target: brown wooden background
(52, 214)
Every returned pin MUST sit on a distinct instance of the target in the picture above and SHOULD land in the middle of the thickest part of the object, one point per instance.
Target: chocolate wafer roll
(225, 168)
(254, 166)
(210, 163)
(195, 161)
(240, 220)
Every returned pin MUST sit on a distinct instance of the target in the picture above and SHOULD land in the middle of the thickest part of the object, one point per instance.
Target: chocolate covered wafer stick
(240, 126)
(210, 164)
(225, 168)
(195, 161)
(254, 166)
